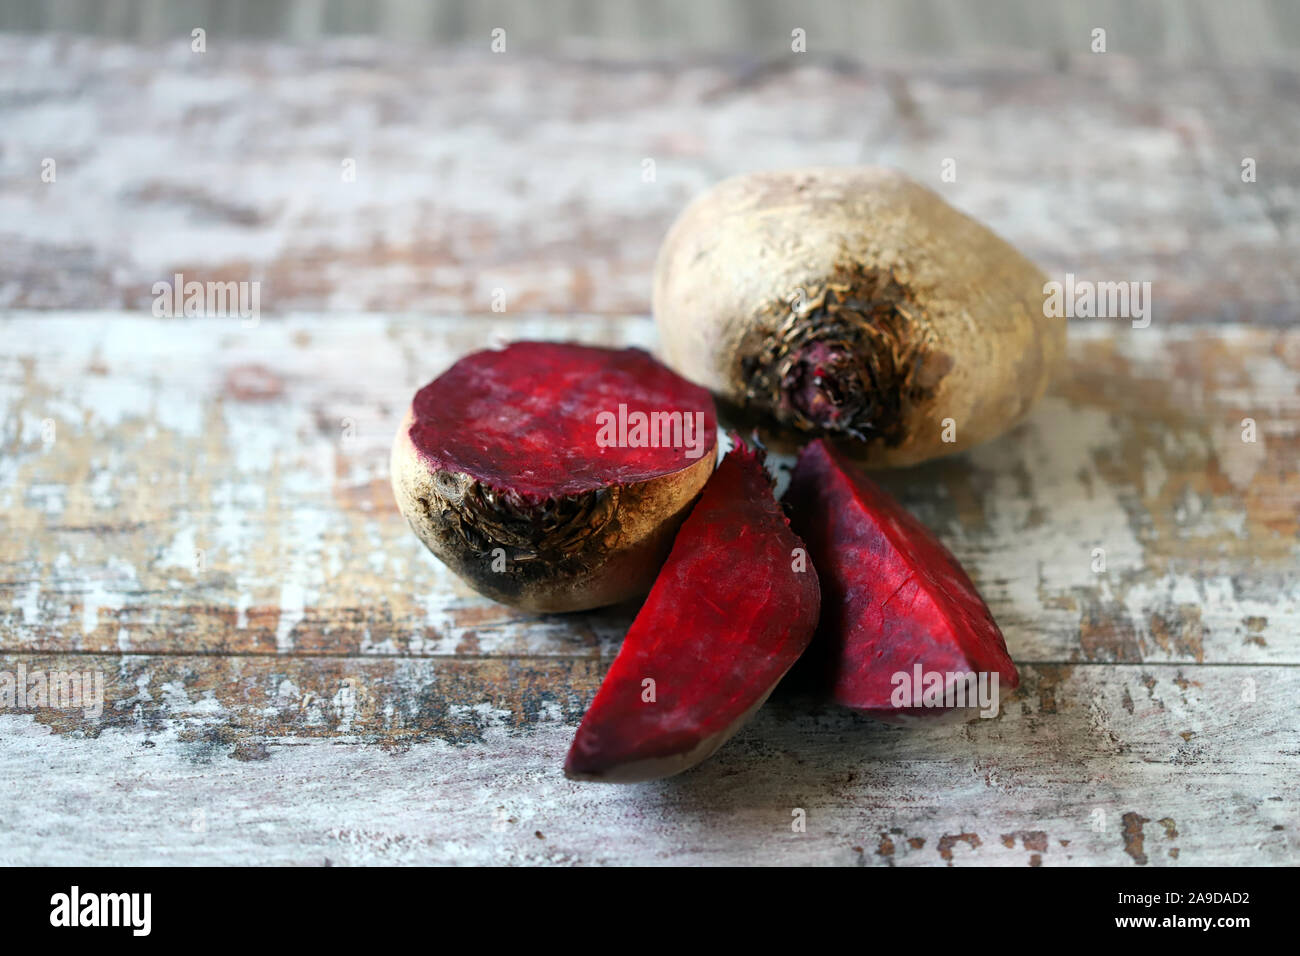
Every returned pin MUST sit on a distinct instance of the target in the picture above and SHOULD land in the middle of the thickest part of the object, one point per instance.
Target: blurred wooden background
(198, 510)
(1247, 32)
(526, 172)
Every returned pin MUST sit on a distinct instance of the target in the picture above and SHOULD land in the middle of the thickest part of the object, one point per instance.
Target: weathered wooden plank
(197, 512)
(264, 451)
(1247, 33)
(302, 760)
(477, 172)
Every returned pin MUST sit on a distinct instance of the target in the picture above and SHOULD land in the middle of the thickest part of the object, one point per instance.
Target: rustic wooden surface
(479, 172)
(322, 689)
(199, 510)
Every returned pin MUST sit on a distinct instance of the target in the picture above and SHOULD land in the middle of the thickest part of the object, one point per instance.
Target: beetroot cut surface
(523, 419)
(734, 606)
(893, 597)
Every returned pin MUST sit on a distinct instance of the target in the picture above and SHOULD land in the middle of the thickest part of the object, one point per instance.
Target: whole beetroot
(855, 304)
(553, 476)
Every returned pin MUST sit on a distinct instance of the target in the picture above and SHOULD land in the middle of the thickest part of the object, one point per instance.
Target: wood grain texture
(1248, 32)
(211, 487)
(197, 512)
(318, 688)
(309, 761)
(527, 174)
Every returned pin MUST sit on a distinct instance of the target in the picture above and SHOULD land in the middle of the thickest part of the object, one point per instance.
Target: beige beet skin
(857, 304)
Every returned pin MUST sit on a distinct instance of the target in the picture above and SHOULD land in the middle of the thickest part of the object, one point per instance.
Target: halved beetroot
(733, 608)
(553, 476)
(896, 605)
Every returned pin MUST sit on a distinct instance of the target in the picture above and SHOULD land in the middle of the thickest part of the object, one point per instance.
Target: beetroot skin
(893, 597)
(553, 476)
(733, 608)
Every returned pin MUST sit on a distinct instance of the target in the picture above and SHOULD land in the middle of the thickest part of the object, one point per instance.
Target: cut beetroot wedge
(734, 606)
(902, 626)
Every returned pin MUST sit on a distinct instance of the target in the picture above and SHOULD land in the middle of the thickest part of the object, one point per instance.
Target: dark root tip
(842, 364)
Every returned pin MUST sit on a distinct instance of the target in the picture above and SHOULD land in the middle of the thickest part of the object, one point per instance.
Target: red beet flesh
(523, 419)
(893, 596)
(734, 606)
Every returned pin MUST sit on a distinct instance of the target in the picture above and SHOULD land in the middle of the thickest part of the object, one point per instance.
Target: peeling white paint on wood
(199, 510)
(433, 730)
(476, 172)
(1048, 783)
(284, 503)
